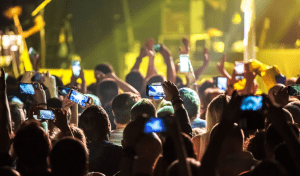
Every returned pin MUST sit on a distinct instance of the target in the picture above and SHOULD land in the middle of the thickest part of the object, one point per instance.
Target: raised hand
(186, 48)
(61, 120)
(27, 77)
(220, 65)
(170, 90)
(39, 96)
(206, 55)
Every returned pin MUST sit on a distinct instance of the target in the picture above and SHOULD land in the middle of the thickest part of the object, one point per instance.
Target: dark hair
(294, 110)
(282, 155)
(165, 111)
(108, 90)
(136, 80)
(191, 101)
(256, 145)
(122, 105)
(269, 167)
(273, 138)
(54, 103)
(155, 79)
(298, 80)
(94, 122)
(207, 84)
(58, 81)
(169, 152)
(68, 157)
(104, 68)
(143, 106)
(173, 169)
(16, 116)
(31, 144)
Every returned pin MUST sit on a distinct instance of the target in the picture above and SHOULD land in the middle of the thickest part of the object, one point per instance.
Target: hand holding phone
(78, 98)
(32, 53)
(155, 91)
(240, 70)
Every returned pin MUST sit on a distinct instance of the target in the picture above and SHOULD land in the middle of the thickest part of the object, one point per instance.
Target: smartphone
(184, 63)
(252, 103)
(32, 53)
(220, 82)
(38, 77)
(155, 91)
(294, 90)
(76, 68)
(239, 68)
(156, 47)
(155, 125)
(47, 115)
(78, 98)
(26, 88)
(63, 90)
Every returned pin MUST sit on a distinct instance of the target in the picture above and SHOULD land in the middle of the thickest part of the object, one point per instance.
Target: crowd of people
(191, 130)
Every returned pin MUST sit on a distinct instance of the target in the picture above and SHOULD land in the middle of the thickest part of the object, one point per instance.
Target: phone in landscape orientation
(220, 82)
(26, 88)
(63, 90)
(294, 90)
(47, 115)
(76, 68)
(78, 98)
(252, 103)
(156, 47)
(155, 91)
(32, 53)
(184, 63)
(155, 125)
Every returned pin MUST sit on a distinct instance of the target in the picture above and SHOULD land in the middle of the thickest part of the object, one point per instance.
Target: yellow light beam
(40, 7)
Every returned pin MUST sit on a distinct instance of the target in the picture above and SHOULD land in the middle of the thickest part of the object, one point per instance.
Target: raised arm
(151, 53)
(221, 67)
(143, 53)
(122, 84)
(5, 119)
(201, 69)
(50, 83)
(171, 72)
(172, 94)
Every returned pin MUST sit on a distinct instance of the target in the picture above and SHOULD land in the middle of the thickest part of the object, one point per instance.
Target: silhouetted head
(191, 102)
(68, 157)
(269, 167)
(32, 144)
(155, 79)
(95, 123)
(169, 151)
(102, 68)
(108, 90)
(256, 145)
(136, 80)
(54, 103)
(144, 106)
(122, 105)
